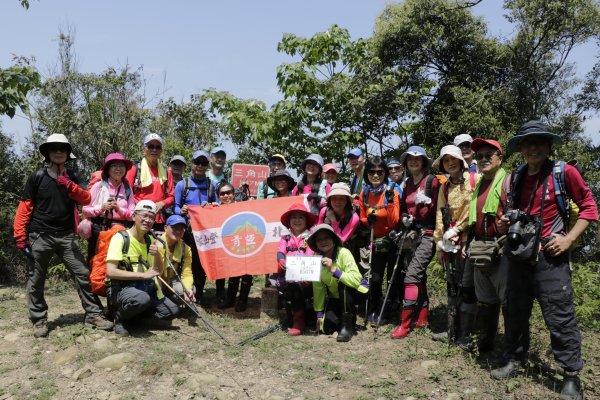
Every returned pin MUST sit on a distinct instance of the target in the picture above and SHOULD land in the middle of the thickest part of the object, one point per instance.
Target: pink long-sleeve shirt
(99, 196)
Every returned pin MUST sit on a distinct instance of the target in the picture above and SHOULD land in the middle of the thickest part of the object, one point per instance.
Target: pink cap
(477, 143)
(329, 167)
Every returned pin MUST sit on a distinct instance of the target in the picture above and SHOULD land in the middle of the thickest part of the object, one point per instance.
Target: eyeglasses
(146, 217)
(378, 172)
(200, 162)
(487, 156)
(226, 193)
(154, 146)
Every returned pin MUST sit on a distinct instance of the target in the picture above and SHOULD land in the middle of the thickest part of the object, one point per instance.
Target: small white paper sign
(303, 268)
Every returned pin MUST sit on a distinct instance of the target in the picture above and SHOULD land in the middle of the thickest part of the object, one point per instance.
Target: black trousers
(332, 318)
(548, 281)
(197, 270)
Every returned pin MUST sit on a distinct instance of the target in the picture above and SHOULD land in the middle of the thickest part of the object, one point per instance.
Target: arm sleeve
(22, 219)
(349, 228)
(363, 210)
(169, 198)
(91, 211)
(439, 224)
(127, 212)
(319, 296)
(130, 176)
(351, 276)
(186, 269)
(79, 195)
(580, 193)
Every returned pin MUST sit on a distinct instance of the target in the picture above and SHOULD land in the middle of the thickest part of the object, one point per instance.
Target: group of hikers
(503, 240)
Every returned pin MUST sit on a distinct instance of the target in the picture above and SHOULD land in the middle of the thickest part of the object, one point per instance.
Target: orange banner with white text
(240, 238)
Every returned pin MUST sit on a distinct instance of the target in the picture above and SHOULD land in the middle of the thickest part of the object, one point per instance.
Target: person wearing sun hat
(312, 183)
(45, 224)
(450, 234)
(111, 199)
(339, 212)
(548, 277)
(341, 284)
(151, 180)
(298, 220)
(281, 183)
(276, 162)
(418, 207)
(463, 142)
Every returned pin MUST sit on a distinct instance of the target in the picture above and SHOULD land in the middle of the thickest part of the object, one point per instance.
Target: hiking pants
(64, 244)
(197, 270)
(490, 283)
(548, 281)
(382, 266)
(131, 301)
(417, 267)
(332, 318)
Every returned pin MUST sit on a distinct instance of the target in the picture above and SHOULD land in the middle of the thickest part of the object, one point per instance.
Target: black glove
(389, 195)
(314, 197)
(371, 218)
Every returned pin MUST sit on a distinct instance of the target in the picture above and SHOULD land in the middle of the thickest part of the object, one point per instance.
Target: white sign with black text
(303, 268)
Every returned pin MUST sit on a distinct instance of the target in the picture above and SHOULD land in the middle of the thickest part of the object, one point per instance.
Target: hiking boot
(242, 301)
(40, 328)
(346, 331)
(571, 389)
(119, 328)
(98, 322)
(510, 370)
(440, 337)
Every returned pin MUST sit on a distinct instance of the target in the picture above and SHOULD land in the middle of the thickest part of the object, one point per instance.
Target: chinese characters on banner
(251, 174)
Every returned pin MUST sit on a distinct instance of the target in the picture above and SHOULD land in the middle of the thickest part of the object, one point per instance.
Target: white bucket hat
(450, 150)
(56, 138)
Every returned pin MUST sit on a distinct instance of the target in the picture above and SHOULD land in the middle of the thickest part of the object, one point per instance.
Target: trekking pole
(194, 310)
(271, 329)
(394, 236)
(369, 273)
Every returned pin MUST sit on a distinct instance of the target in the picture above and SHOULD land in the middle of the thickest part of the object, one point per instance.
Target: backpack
(210, 192)
(98, 263)
(567, 208)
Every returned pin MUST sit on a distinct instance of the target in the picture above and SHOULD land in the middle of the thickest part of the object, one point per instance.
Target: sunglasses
(487, 156)
(226, 193)
(58, 148)
(395, 168)
(378, 172)
(154, 146)
(465, 146)
(200, 162)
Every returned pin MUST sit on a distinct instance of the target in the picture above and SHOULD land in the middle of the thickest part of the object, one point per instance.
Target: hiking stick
(264, 333)
(194, 309)
(392, 235)
(369, 275)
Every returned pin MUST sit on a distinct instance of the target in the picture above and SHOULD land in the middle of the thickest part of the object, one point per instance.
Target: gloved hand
(364, 283)
(281, 265)
(371, 218)
(25, 247)
(64, 181)
(389, 195)
(421, 198)
(313, 197)
(407, 220)
(450, 233)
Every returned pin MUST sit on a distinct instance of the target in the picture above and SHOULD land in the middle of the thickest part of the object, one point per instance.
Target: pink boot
(298, 325)
(406, 319)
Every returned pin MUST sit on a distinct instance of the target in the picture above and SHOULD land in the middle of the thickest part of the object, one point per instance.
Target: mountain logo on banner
(243, 234)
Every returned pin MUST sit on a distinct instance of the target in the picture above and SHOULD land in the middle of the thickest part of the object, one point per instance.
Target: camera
(517, 219)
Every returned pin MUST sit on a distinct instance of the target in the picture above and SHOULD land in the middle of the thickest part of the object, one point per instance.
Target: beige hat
(56, 138)
(145, 205)
(449, 150)
(340, 189)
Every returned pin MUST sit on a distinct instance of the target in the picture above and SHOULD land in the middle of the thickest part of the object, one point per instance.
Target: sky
(186, 46)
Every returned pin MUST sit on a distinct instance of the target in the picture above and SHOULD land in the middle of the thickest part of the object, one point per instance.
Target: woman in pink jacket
(339, 213)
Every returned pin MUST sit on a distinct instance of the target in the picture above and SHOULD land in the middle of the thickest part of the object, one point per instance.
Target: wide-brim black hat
(532, 128)
(312, 239)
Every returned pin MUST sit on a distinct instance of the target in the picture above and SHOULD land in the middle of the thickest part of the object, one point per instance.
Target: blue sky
(185, 46)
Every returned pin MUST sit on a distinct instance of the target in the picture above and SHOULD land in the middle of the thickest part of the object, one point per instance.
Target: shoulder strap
(186, 190)
(210, 191)
(136, 180)
(515, 181)
(429, 184)
(265, 188)
(560, 193)
(125, 235)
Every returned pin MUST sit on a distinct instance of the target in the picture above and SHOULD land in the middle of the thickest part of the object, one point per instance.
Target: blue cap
(416, 151)
(200, 153)
(217, 150)
(393, 161)
(356, 152)
(175, 220)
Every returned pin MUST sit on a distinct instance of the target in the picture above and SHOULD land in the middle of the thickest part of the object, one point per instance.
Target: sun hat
(462, 138)
(416, 151)
(479, 142)
(200, 153)
(315, 158)
(56, 138)
(145, 205)
(355, 152)
(532, 128)
(311, 218)
(218, 150)
(175, 220)
(450, 150)
(179, 158)
(278, 174)
(329, 167)
(112, 157)
(340, 189)
(312, 239)
(152, 136)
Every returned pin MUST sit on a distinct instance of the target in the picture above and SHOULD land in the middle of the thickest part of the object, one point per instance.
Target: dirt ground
(186, 361)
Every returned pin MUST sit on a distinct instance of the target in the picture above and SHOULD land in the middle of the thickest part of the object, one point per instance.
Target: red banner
(240, 238)
(251, 174)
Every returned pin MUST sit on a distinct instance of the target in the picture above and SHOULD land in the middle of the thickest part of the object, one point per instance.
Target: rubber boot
(467, 317)
(571, 389)
(346, 331)
(242, 301)
(423, 319)
(232, 289)
(298, 324)
(406, 320)
(487, 325)
(220, 286)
